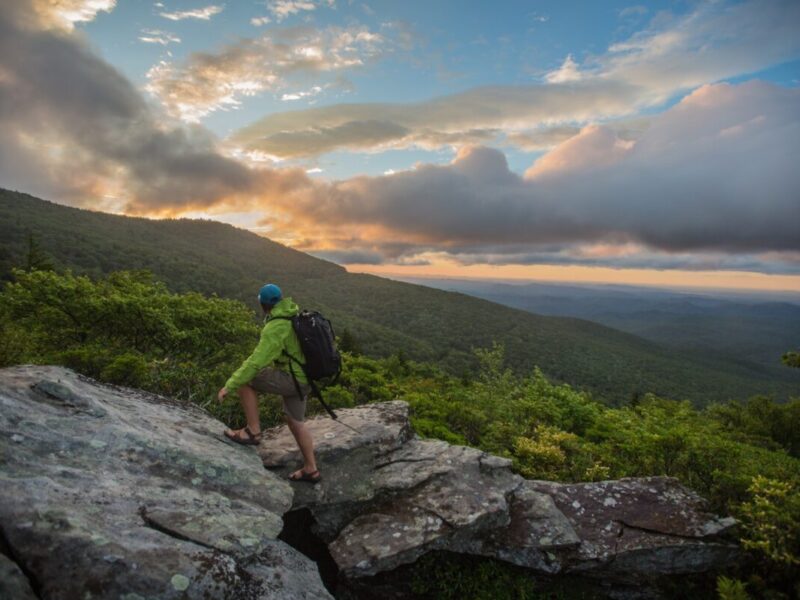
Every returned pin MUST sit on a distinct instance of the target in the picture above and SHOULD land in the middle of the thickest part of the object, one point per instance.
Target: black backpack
(318, 343)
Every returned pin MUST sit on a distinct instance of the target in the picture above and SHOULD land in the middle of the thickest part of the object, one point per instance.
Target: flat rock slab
(644, 525)
(118, 493)
(382, 427)
(388, 497)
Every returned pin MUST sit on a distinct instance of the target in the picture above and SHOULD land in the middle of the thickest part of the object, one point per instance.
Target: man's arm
(269, 347)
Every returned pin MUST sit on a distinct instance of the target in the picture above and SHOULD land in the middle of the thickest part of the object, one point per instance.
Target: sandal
(236, 436)
(313, 477)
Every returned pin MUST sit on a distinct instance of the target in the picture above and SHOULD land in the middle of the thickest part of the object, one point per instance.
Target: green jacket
(277, 336)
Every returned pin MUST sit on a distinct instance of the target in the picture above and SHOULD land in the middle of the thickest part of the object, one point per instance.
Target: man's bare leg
(304, 440)
(249, 401)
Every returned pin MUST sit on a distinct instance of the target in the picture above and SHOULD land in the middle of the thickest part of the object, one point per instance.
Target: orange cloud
(594, 147)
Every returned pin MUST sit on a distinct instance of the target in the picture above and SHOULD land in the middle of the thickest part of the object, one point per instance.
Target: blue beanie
(270, 294)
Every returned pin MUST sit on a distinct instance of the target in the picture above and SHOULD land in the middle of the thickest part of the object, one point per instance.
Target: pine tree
(37, 259)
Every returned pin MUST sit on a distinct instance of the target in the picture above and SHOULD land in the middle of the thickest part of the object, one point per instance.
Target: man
(257, 374)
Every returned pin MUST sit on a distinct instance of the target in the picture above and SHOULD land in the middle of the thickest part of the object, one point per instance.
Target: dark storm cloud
(70, 122)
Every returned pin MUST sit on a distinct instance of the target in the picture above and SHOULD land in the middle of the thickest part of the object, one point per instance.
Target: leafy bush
(125, 329)
(731, 589)
(772, 519)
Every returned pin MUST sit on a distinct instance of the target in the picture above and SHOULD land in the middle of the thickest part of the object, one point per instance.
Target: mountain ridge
(385, 316)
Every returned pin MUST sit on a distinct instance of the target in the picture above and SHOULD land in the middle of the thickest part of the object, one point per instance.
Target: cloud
(594, 146)
(568, 71)
(633, 11)
(543, 138)
(259, 21)
(715, 175)
(314, 91)
(59, 14)
(449, 120)
(202, 14)
(710, 183)
(207, 82)
(671, 56)
(363, 133)
(156, 36)
(101, 139)
(360, 257)
(621, 256)
(282, 9)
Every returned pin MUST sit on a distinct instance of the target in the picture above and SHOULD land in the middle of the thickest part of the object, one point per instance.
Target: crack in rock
(404, 460)
(152, 524)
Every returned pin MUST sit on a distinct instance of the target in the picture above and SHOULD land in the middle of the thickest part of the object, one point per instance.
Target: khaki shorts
(274, 381)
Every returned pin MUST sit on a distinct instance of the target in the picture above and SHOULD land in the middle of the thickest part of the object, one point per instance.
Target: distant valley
(744, 327)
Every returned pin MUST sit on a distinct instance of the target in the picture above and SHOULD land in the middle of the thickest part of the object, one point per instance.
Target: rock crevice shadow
(16, 580)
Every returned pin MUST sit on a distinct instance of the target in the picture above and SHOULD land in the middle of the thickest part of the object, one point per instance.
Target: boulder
(388, 497)
(112, 492)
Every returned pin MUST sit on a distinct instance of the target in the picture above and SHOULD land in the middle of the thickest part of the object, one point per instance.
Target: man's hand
(221, 394)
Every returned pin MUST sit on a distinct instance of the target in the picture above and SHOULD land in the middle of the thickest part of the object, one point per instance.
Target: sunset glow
(657, 147)
(730, 280)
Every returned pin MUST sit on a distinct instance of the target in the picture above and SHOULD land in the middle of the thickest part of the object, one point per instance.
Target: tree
(36, 258)
(349, 343)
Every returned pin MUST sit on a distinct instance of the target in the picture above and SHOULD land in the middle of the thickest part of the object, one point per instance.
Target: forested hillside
(383, 317)
(744, 457)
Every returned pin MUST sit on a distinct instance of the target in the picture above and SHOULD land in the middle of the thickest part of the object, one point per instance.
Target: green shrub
(127, 329)
(731, 589)
(771, 520)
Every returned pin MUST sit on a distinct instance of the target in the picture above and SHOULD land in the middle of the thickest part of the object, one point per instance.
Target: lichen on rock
(113, 492)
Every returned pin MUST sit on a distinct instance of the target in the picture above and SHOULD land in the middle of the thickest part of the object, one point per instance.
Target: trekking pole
(335, 418)
(318, 394)
(333, 415)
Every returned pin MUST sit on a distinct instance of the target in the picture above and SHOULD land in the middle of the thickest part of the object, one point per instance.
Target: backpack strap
(314, 389)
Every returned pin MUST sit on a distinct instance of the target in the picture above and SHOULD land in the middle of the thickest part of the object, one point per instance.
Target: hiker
(269, 369)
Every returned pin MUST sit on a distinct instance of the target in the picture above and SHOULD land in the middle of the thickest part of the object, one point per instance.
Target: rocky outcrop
(388, 497)
(113, 493)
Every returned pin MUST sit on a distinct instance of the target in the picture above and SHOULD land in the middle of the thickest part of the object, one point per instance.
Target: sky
(654, 143)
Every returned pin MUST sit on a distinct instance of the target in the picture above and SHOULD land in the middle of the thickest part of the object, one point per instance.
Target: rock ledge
(115, 493)
(388, 497)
